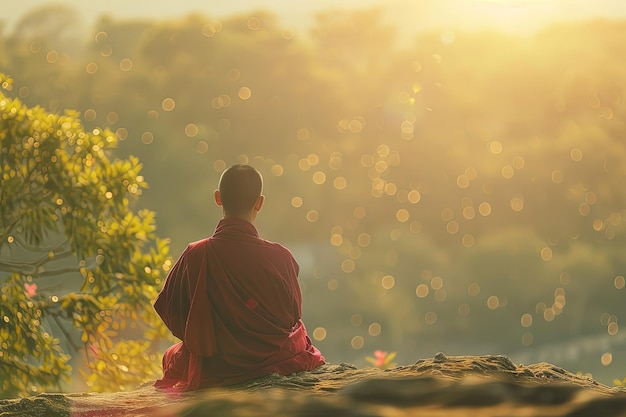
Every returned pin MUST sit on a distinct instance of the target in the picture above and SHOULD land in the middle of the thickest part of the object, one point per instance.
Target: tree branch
(25, 367)
(53, 272)
(18, 267)
(24, 245)
(57, 255)
(68, 336)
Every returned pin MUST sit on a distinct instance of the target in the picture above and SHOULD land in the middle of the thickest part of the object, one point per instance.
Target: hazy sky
(409, 15)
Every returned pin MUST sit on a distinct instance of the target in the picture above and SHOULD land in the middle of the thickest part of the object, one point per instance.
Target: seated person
(234, 300)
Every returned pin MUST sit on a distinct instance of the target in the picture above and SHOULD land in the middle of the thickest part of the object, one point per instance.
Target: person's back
(234, 300)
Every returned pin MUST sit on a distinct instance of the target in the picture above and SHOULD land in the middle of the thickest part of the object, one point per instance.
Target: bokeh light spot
(430, 318)
(52, 57)
(304, 164)
(168, 104)
(356, 319)
(619, 282)
(210, 29)
(495, 147)
(191, 130)
(527, 339)
(557, 177)
(23, 92)
(606, 359)
(340, 183)
(388, 282)
(598, 225)
(493, 302)
(447, 214)
(253, 23)
(526, 320)
(546, 254)
(462, 181)
(364, 240)
(303, 133)
(202, 147)
(121, 133)
(414, 196)
(436, 283)
(126, 64)
(355, 126)
(348, 266)
(415, 226)
(508, 171)
(441, 295)
(319, 334)
(296, 202)
(357, 342)
(244, 93)
(219, 165)
(34, 47)
(112, 117)
(584, 209)
(359, 213)
(484, 209)
(91, 68)
(576, 154)
(319, 178)
(90, 114)
(277, 170)
(473, 289)
(374, 329)
(336, 239)
(468, 240)
(422, 291)
(517, 203)
(469, 213)
(402, 215)
(464, 310)
(147, 138)
(101, 37)
(312, 216)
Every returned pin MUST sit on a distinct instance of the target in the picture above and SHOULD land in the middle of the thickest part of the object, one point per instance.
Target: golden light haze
(449, 174)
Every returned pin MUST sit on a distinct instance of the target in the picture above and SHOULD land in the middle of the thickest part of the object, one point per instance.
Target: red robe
(235, 302)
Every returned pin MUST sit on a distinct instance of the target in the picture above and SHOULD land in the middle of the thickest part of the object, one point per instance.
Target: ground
(441, 386)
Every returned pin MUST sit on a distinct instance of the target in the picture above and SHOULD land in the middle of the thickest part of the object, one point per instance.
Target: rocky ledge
(440, 386)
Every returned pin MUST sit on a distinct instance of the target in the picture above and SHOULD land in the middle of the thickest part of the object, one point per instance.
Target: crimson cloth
(235, 302)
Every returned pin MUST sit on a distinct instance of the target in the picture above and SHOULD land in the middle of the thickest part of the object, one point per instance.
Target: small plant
(382, 359)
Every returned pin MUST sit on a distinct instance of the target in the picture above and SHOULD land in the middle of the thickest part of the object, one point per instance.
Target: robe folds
(234, 301)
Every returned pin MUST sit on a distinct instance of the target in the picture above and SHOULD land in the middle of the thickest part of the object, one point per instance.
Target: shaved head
(240, 187)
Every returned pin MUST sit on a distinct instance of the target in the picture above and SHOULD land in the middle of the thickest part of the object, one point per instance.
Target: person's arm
(172, 303)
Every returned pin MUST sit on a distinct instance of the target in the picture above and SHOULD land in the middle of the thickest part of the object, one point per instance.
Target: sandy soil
(440, 386)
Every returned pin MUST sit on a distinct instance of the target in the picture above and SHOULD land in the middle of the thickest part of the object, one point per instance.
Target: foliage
(80, 267)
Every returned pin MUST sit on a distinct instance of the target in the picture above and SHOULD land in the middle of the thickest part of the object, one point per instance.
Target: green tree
(79, 268)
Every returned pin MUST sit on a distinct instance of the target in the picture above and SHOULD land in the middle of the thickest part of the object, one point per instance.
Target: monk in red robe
(234, 300)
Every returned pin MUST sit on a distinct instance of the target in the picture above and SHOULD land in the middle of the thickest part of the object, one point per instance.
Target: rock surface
(440, 386)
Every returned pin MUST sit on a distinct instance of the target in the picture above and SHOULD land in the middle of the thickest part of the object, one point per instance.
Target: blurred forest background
(463, 192)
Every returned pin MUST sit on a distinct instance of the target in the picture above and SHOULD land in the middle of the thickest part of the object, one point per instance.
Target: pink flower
(381, 358)
(31, 289)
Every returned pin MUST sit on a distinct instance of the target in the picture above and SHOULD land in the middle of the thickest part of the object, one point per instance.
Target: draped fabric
(234, 301)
